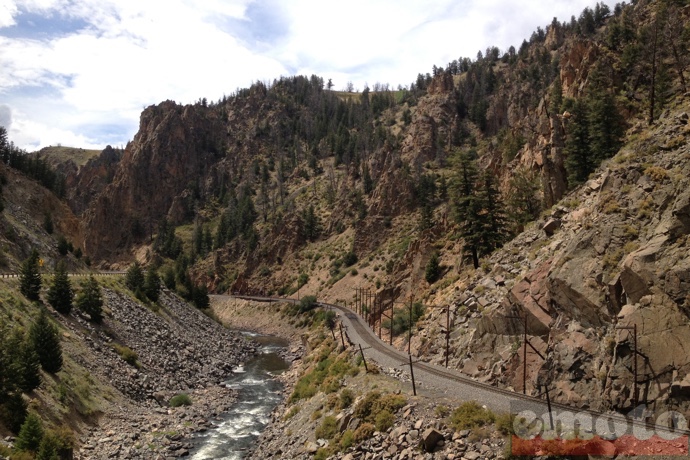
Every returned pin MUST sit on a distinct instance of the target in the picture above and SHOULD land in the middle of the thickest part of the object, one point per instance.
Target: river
(259, 393)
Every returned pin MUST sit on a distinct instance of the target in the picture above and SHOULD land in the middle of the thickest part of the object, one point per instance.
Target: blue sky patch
(39, 27)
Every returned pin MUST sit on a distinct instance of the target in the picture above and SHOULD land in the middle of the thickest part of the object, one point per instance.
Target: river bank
(137, 360)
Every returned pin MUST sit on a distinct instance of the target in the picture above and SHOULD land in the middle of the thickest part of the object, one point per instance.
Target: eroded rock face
(619, 261)
(175, 146)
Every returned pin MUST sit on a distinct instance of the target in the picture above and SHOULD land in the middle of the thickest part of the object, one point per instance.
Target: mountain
(548, 181)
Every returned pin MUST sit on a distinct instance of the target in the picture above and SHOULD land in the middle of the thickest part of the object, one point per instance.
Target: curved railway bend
(451, 383)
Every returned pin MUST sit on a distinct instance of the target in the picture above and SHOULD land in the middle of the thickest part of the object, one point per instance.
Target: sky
(79, 72)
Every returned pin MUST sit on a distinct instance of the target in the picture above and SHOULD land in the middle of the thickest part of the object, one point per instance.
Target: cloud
(84, 70)
(5, 116)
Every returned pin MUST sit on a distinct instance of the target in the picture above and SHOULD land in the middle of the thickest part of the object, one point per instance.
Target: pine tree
(467, 206)
(605, 126)
(30, 366)
(48, 448)
(493, 217)
(30, 278)
(578, 162)
(433, 269)
(152, 284)
(89, 300)
(134, 279)
(60, 294)
(523, 203)
(311, 226)
(30, 434)
(45, 339)
(13, 411)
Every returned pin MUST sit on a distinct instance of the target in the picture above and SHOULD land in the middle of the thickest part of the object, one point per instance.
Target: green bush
(307, 303)
(127, 354)
(349, 259)
(182, 399)
(504, 423)
(346, 398)
(328, 428)
(384, 420)
(347, 440)
(364, 432)
(470, 415)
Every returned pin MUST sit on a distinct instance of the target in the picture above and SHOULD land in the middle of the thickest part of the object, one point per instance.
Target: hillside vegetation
(547, 182)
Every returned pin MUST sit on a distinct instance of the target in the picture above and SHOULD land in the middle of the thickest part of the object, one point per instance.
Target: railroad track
(453, 384)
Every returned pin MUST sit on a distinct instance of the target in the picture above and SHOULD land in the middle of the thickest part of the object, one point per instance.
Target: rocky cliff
(159, 172)
(610, 258)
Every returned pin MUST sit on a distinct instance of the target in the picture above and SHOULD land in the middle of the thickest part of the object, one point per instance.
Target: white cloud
(134, 53)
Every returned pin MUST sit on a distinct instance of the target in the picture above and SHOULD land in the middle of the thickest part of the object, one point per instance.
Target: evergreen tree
(169, 278)
(48, 448)
(433, 269)
(20, 364)
(30, 434)
(152, 284)
(30, 366)
(134, 279)
(13, 411)
(523, 202)
(45, 340)
(60, 294)
(200, 296)
(493, 217)
(89, 300)
(578, 162)
(311, 226)
(605, 126)
(467, 206)
(30, 278)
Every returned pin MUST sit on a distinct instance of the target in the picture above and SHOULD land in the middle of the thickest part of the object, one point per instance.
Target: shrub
(349, 259)
(470, 415)
(384, 420)
(182, 399)
(127, 354)
(346, 398)
(364, 432)
(347, 439)
(504, 423)
(328, 428)
(307, 303)
(441, 411)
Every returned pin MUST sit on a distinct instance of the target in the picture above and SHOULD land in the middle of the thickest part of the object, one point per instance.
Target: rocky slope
(118, 377)
(22, 223)
(613, 254)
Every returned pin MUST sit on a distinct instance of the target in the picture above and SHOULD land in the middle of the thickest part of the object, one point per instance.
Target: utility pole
(361, 352)
(447, 334)
(409, 341)
(414, 387)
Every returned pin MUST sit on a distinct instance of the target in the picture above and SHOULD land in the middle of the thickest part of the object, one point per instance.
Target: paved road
(449, 382)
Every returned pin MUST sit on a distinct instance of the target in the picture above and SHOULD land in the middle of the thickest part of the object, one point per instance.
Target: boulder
(430, 439)
(551, 226)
